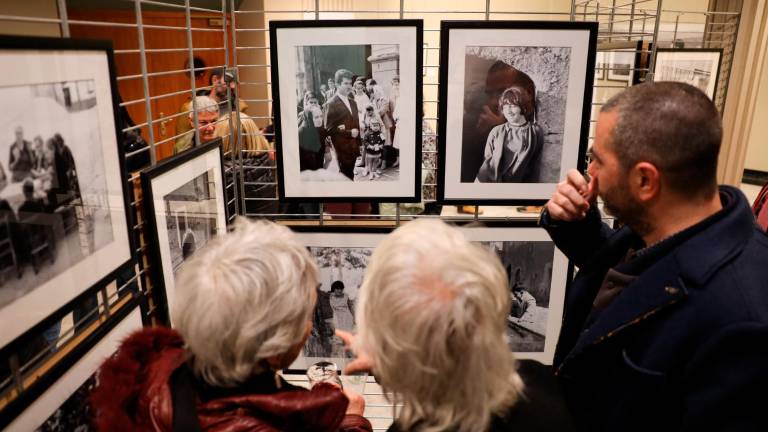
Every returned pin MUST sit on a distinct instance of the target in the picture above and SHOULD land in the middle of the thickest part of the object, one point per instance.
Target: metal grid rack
(243, 29)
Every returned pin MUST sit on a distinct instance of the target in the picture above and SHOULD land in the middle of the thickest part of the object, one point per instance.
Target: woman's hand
(356, 402)
(362, 362)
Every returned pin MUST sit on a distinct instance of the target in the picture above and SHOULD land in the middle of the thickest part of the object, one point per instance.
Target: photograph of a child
(514, 113)
(341, 274)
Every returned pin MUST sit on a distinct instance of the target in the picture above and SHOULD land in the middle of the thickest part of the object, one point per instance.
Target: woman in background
(311, 137)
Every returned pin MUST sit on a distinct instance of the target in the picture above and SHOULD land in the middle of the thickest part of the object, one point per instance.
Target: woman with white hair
(431, 322)
(242, 311)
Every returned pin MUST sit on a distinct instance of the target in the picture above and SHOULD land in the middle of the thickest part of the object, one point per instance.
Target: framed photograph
(538, 274)
(697, 67)
(347, 105)
(64, 405)
(342, 258)
(600, 65)
(514, 107)
(184, 199)
(620, 63)
(64, 227)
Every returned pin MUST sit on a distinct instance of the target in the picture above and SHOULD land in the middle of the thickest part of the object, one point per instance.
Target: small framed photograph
(514, 107)
(538, 274)
(348, 108)
(697, 67)
(64, 228)
(64, 405)
(184, 199)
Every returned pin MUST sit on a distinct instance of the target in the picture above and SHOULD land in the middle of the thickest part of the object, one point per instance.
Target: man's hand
(362, 363)
(356, 402)
(572, 198)
(355, 133)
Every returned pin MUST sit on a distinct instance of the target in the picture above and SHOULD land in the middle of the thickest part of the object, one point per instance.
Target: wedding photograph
(348, 98)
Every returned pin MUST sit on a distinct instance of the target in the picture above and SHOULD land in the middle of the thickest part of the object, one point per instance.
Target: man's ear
(645, 181)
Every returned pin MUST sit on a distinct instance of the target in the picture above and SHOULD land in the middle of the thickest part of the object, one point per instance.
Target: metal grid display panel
(620, 21)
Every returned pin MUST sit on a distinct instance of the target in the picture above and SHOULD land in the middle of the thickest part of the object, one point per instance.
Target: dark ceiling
(129, 4)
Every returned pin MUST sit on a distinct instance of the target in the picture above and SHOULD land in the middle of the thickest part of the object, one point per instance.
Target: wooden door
(128, 64)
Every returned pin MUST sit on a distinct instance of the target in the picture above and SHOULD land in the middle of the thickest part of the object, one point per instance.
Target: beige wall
(29, 8)
(757, 149)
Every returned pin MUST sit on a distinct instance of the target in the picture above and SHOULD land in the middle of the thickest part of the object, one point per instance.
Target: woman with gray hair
(242, 311)
(432, 328)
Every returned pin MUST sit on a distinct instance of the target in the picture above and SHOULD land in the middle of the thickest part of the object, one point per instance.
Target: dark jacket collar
(687, 266)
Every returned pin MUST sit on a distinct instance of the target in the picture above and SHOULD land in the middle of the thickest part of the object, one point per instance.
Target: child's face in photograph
(375, 127)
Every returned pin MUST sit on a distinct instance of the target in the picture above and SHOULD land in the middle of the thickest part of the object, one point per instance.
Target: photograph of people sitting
(39, 207)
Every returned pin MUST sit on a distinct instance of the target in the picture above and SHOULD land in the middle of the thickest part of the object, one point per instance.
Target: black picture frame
(114, 167)
(523, 193)
(400, 190)
(133, 308)
(688, 52)
(511, 230)
(150, 193)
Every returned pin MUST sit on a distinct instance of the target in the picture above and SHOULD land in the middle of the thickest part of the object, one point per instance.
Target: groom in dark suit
(342, 124)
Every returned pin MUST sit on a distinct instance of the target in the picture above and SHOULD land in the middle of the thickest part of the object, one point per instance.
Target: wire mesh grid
(240, 41)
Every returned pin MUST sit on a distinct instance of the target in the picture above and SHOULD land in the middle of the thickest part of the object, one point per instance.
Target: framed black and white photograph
(538, 274)
(347, 99)
(64, 406)
(342, 258)
(697, 67)
(514, 107)
(620, 64)
(64, 227)
(185, 210)
(600, 66)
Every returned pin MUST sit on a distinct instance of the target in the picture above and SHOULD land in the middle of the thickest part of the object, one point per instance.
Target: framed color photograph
(697, 67)
(538, 274)
(514, 108)
(347, 106)
(64, 406)
(64, 227)
(185, 209)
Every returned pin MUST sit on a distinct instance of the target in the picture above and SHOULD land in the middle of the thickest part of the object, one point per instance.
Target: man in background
(221, 80)
(207, 114)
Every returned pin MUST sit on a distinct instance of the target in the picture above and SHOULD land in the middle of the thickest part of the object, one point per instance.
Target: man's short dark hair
(674, 126)
(221, 72)
(337, 285)
(341, 74)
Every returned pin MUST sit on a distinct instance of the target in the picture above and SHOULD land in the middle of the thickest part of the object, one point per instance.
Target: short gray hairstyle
(245, 297)
(432, 317)
(674, 126)
(204, 104)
